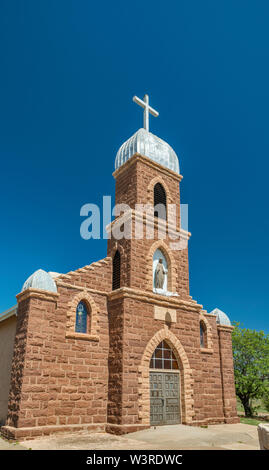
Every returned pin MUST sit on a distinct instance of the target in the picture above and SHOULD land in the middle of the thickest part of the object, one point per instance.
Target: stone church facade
(100, 349)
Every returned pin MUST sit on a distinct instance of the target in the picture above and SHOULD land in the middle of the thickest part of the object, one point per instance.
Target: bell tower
(150, 267)
(147, 192)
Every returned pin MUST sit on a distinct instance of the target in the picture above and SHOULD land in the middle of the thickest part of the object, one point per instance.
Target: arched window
(202, 335)
(164, 358)
(116, 271)
(82, 318)
(159, 201)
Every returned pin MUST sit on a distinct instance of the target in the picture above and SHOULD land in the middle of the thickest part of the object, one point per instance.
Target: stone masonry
(63, 380)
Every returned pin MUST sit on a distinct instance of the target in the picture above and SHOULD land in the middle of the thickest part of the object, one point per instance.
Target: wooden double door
(164, 398)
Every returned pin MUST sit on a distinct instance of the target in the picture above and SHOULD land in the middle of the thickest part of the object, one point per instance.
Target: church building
(119, 345)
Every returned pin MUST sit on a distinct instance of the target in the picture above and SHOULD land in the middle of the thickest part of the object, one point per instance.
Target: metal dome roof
(222, 318)
(40, 280)
(149, 145)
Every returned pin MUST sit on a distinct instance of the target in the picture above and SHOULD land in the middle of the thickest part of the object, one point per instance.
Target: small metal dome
(222, 318)
(40, 280)
(149, 145)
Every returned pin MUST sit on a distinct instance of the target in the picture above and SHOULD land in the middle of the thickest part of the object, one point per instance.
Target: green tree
(251, 365)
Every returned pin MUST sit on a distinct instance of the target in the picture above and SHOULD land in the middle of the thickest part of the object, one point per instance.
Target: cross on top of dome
(147, 109)
(147, 144)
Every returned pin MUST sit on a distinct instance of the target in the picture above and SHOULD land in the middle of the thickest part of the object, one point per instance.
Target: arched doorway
(164, 386)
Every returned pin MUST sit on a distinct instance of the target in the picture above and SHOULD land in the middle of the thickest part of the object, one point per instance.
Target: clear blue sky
(69, 70)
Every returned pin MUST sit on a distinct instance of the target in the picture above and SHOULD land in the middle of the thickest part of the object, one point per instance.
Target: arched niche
(159, 255)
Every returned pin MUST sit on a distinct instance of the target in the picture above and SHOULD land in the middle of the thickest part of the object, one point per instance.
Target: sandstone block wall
(201, 378)
(60, 379)
(63, 380)
(7, 334)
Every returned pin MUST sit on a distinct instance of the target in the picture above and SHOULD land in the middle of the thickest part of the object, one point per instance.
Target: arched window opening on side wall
(82, 318)
(116, 271)
(202, 335)
(164, 358)
(159, 201)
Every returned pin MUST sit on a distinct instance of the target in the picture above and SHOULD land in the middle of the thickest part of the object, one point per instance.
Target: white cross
(147, 109)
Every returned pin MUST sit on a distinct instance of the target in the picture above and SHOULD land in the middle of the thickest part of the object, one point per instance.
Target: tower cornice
(147, 161)
(146, 218)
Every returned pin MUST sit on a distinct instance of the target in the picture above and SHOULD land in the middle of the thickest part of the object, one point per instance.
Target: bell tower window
(116, 271)
(159, 201)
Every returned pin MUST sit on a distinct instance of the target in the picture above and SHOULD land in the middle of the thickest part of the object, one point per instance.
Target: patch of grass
(253, 421)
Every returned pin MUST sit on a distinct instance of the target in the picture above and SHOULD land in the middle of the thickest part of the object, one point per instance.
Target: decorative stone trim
(171, 265)
(158, 224)
(165, 314)
(206, 351)
(117, 247)
(10, 432)
(225, 328)
(79, 288)
(209, 338)
(186, 377)
(71, 315)
(137, 156)
(155, 299)
(84, 336)
(209, 315)
(37, 293)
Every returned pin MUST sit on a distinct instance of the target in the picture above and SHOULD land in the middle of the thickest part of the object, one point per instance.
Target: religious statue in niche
(159, 275)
